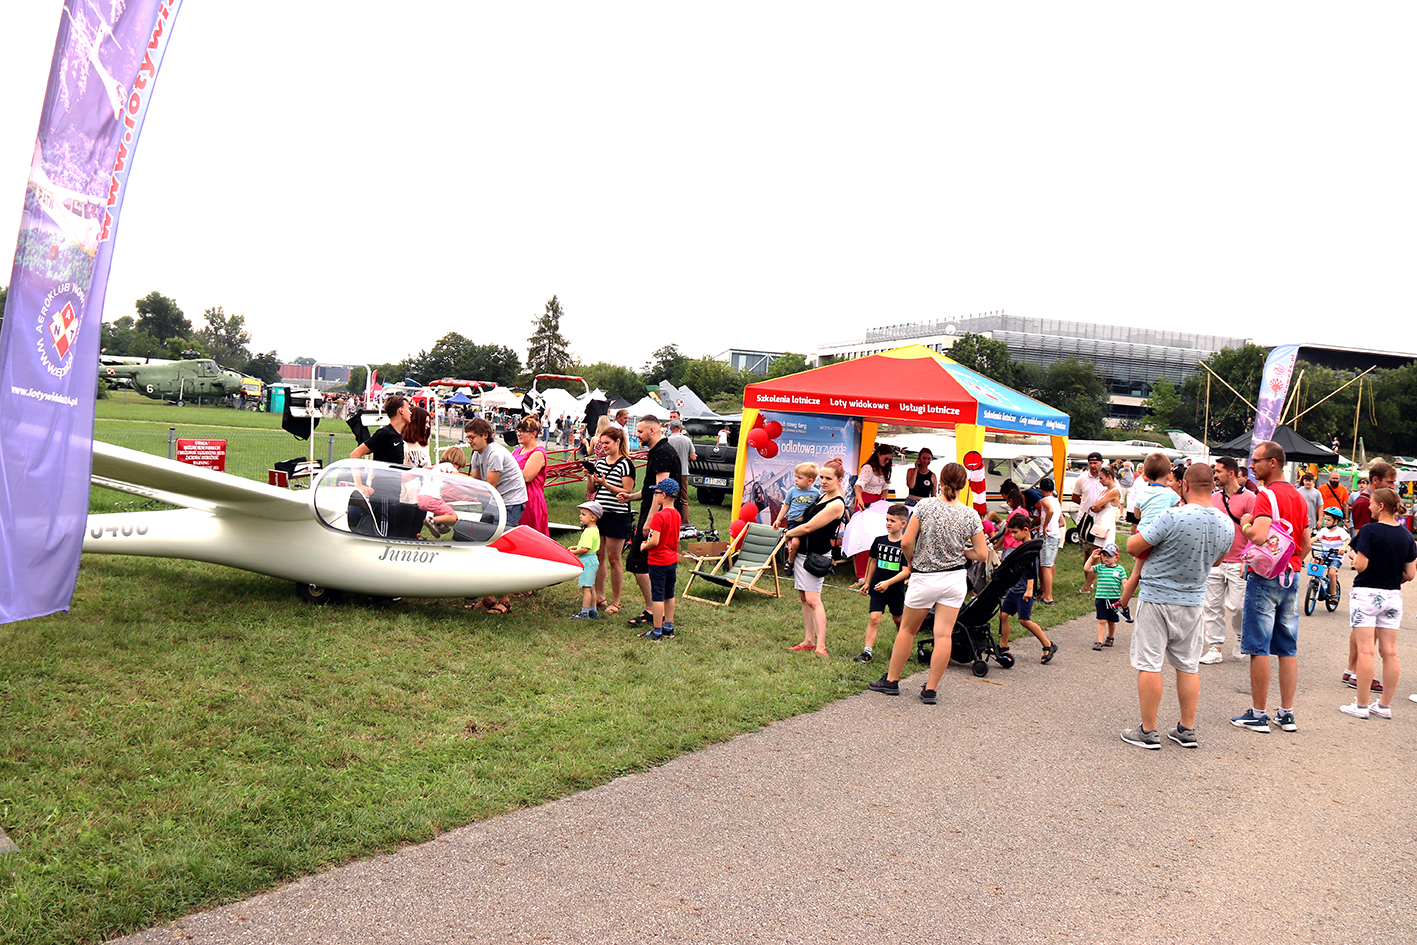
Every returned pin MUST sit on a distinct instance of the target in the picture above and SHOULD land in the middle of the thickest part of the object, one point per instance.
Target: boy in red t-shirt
(661, 546)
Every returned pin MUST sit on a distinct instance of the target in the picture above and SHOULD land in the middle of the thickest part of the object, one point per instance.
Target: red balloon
(749, 512)
(767, 450)
(757, 437)
(773, 429)
(736, 526)
(758, 422)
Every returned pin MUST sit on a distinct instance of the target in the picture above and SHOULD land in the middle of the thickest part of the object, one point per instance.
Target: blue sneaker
(1251, 721)
(1285, 718)
(659, 635)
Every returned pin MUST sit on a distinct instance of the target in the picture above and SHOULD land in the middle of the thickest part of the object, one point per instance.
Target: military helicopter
(161, 379)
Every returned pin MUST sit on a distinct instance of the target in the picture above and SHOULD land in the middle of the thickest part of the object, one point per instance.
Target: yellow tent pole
(968, 437)
(740, 463)
(1060, 464)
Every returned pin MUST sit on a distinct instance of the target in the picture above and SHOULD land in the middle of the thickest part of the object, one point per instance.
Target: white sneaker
(1413, 697)
(1381, 711)
(1235, 653)
(1212, 656)
(1355, 710)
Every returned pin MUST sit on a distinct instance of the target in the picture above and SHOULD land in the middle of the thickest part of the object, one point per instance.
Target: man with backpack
(1278, 544)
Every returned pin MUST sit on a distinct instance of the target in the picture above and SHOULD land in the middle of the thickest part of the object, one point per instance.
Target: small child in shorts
(586, 549)
(661, 549)
(1331, 542)
(1102, 565)
(886, 589)
(802, 496)
(1018, 602)
(432, 494)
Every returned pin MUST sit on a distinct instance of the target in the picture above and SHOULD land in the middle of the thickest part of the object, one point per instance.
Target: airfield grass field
(190, 735)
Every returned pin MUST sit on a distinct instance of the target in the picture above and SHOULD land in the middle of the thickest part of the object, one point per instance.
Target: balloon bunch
(748, 513)
(763, 437)
(974, 463)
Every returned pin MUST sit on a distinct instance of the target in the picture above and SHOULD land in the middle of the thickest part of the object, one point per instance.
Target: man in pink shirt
(1225, 587)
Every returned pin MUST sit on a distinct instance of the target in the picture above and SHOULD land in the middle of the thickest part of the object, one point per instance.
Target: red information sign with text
(209, 454)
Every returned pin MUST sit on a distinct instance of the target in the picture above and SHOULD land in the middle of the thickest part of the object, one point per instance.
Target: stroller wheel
(981, 668)
(1005, 660)
(924, 650)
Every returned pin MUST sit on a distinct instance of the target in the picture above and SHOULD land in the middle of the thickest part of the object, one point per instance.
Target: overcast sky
(759, 175)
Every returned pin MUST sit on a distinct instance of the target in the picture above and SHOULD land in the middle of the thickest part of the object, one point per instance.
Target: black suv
(712, 472)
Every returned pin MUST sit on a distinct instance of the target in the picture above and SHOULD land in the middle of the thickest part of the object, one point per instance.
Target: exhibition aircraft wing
(201, 377)
(358, 528)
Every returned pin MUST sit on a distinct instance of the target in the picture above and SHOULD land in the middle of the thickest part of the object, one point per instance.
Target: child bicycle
(1320, 586)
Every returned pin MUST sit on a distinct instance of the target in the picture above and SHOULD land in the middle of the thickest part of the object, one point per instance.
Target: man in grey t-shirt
(1181, 545)
(1313, 497)
(684, 447)
(493, 462)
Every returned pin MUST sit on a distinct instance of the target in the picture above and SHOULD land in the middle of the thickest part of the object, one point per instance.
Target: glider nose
(530, 543)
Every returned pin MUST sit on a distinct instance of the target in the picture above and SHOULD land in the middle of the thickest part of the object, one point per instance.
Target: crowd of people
(1217, 551)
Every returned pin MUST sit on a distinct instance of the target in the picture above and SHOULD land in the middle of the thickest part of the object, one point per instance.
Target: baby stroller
(973, 639)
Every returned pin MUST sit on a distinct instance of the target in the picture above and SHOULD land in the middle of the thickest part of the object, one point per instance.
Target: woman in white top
(1051, 512)
(942, 537)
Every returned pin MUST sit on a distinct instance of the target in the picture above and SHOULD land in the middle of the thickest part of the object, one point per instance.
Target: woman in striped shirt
(614, 473)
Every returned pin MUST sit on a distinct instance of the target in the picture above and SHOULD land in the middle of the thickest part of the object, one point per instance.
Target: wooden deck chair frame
(738, 575)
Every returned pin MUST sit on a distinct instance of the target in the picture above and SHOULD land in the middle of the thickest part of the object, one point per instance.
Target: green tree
(1229, 415)
(711, 379)
(226, 338)
(665, 365)
(1163, 407)
(160, 317)
(4, 294)
(265, 366)
(454, 356)
(614, 379)
(787, 363)
(986, 356)
(304, 361)
(1072, 386)
(548, 352)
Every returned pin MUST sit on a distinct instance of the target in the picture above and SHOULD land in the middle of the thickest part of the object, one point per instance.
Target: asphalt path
(1010, 812)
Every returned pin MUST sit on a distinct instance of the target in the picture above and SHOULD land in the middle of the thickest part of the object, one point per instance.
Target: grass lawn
(190, 734)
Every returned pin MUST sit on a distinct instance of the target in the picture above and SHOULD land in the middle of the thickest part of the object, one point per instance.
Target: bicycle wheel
(1311, 596)
(1335, 589)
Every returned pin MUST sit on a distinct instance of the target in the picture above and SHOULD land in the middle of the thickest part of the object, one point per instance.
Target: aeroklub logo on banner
(58, 325)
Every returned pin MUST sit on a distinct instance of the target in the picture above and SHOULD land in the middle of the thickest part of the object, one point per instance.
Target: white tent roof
(647, 407)
(561, 403)
(499, 397)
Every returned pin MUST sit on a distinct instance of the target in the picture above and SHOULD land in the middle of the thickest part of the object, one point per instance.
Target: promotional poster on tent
(801, 438)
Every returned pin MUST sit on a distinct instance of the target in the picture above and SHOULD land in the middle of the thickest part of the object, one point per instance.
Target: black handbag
(817, 565)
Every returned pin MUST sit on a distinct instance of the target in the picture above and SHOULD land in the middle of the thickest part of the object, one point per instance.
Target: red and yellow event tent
(912, 386)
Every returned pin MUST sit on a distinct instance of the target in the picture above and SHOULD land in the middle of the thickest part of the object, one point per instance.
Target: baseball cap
(668, 486)
(1110, 549)
(593, 507)
(1094, 455)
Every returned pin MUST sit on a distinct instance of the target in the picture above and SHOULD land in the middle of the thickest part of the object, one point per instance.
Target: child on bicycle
(1331, 545)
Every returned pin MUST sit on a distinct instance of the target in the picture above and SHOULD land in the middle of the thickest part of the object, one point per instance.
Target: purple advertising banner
(805, 438)
(1274, 387)
(106, 60)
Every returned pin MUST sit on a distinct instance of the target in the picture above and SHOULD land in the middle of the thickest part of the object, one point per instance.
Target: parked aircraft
(202, 377)
(356, 529)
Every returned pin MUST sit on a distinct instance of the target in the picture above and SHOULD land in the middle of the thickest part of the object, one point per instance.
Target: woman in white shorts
(1385, 557)
(942, 537)
(817, 530)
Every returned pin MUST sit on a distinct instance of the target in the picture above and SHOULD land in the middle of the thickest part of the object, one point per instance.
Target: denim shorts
(1049, 554)
(1270, 623)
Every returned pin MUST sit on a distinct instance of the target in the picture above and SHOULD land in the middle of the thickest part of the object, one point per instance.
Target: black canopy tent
(1296, 448)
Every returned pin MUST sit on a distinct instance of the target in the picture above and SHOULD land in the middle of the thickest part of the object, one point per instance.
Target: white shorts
(1374, 607)
(925, 590)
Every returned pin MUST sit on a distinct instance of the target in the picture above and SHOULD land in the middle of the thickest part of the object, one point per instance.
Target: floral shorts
(1374, 607)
